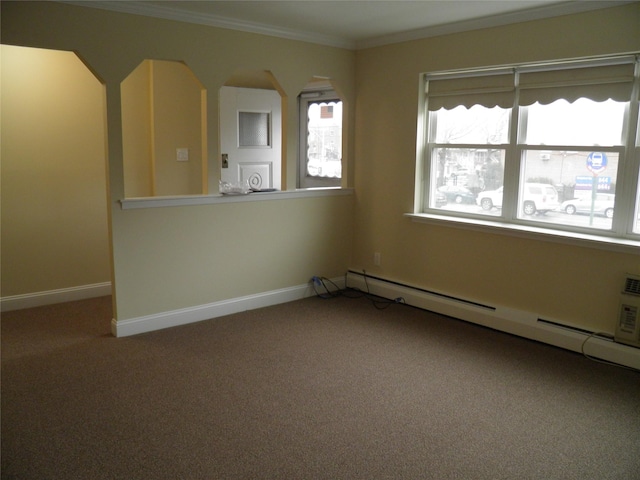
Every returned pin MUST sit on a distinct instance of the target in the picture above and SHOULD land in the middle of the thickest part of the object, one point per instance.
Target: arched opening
(163, 131)
(54, 188)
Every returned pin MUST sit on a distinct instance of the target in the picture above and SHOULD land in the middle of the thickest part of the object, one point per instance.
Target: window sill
(186, 200)
(621, 245)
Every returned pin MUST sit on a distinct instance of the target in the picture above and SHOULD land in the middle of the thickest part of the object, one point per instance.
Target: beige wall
(194, 255)
(177, 257)
(573, 284)
(54, 194)
(177, 105)
(162, 110)
(136, 132)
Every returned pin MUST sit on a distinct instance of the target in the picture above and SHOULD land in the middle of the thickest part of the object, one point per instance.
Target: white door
(251, 137)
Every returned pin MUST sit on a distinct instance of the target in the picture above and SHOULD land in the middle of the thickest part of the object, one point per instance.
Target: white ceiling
(354, 24)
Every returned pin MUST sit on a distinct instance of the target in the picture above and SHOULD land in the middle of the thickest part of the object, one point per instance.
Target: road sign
(596, 162)
(585, 182)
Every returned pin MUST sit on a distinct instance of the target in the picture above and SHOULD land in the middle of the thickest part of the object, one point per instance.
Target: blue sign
(584, 182)
(596, 162)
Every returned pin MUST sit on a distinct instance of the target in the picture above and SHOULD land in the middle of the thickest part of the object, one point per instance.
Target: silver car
(602, 205)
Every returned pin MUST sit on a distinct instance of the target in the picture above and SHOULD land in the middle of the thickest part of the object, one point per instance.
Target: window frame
(306, 98)
(627, 201)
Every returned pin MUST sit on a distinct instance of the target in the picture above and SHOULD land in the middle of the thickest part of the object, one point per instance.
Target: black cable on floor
(323, 290)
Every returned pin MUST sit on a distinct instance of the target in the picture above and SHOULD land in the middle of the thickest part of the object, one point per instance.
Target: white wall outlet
(376, 259)
(182, 154)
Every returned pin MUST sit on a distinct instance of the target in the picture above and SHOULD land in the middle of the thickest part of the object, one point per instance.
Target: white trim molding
(50, 297)
(612, 244)
(186, 200)
(174, 318)
(599, 345)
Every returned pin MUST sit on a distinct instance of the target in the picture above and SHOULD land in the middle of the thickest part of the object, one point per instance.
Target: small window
(320, 139)
(254, 129)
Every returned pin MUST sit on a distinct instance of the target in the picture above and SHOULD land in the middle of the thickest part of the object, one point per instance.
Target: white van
(539, 198)
(536, 198)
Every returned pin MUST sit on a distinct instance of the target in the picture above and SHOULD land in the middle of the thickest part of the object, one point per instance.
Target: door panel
(251, 136)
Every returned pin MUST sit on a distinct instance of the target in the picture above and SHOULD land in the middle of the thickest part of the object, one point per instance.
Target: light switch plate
(182, 154)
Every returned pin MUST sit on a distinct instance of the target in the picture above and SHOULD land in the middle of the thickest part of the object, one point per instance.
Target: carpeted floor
(313, 389)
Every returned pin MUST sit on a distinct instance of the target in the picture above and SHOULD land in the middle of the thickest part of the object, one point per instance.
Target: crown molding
(539, 13)
(169, 13)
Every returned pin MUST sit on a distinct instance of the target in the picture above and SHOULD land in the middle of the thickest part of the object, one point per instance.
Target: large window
(551, 146)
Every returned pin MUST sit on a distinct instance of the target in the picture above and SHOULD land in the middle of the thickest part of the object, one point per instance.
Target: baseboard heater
(582, 331)
(422, 290)
(509, 320)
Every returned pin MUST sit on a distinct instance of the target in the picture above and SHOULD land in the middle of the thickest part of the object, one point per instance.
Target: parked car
(457, 194)
(536, 198)
(603, 205)
(539, 198)
(441, 199)
(490, 198)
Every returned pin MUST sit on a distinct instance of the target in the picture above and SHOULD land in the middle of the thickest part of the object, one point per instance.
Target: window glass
(477, 124)
(324, 139)
(579, 205)
(583, 122)
(320, 157)
(569, 186)
(559, 188)
(253, 129)
(587, 201)
(462, 173)
(476, 162)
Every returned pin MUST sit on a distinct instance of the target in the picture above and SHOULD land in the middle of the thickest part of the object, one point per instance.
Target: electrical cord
(326, 289)
(379, 302)
(321, 282)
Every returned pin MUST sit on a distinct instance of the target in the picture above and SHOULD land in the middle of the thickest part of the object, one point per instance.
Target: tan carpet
(313, 389)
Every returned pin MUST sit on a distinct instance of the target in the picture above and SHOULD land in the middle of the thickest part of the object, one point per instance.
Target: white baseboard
(174, 318)
(50, 297)
(516, 322)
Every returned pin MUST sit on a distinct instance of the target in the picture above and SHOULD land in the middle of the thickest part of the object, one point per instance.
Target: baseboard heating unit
(517, 322)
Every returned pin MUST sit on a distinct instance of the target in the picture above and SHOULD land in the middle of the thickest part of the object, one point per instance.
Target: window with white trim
(552, 146)
(320, 139)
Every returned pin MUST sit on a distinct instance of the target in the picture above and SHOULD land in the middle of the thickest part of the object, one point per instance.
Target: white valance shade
(488, 90)
(598, 83)
(597, 80)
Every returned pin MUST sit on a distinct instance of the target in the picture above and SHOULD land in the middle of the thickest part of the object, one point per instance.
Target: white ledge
(623, 245)
(186, 200)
